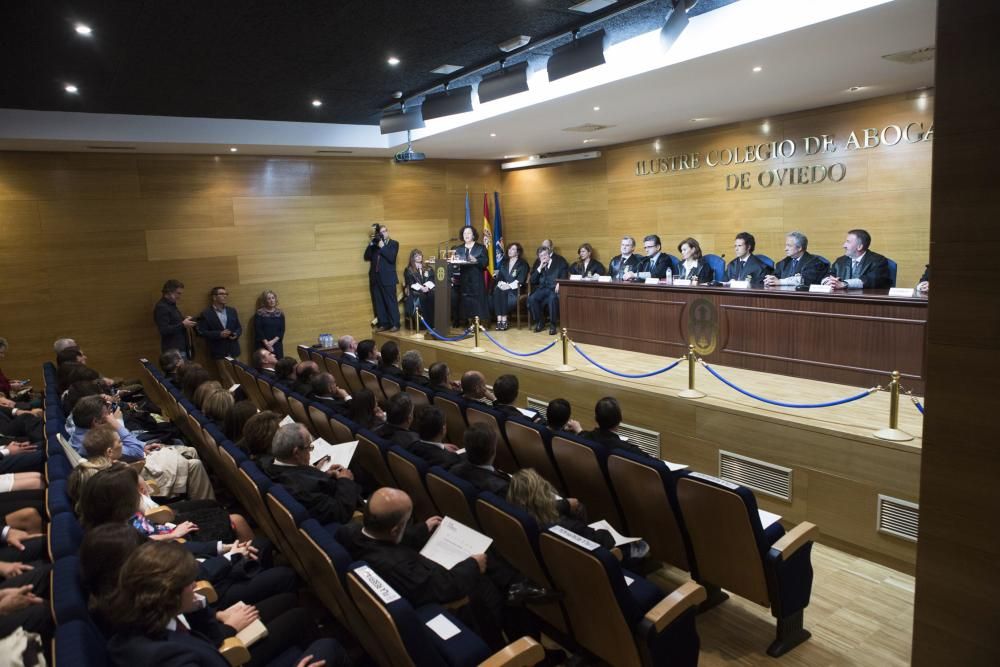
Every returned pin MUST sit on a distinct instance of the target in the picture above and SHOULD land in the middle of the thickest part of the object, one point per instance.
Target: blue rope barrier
(519, 354)
(917, 403)
(430, 330)
(782, 403)
(625, 375)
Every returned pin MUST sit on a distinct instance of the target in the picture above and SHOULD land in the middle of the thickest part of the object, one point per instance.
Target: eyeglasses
(649, 247)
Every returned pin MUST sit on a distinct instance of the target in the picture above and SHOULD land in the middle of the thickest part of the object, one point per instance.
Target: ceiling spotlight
(82, 29)
(397, 95)
(317, 103)
(233, 149)
(587, 141)
(697, 120)
(493, 134)
(393, 60)
(597, 108)
(514, 43)
(70, 88)
(854, 89)
(765, 127)
(758, 68)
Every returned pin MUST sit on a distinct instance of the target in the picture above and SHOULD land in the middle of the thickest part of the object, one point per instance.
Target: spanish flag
(491, 266)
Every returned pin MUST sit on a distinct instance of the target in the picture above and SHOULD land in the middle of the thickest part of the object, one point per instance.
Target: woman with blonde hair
(269, 324)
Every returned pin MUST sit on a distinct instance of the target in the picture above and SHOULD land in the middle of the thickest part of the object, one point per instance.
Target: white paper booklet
(527, 412)
(453, 542)
(619, 538)
(674, 467)
(767, 518)
(335, 454)
(286, 421)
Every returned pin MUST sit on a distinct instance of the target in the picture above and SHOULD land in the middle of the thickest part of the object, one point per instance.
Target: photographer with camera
(381, 253)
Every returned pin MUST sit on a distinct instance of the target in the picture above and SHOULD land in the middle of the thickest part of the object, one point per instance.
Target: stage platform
(837, 468)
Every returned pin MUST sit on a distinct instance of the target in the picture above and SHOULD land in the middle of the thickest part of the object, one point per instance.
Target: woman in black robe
(469, 290)
(511, 275)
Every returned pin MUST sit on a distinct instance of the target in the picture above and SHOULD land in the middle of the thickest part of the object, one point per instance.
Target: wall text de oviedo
(822, 145)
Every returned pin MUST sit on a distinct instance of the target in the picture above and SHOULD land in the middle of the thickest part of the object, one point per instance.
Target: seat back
(418, 395)
(528, 446)
(581, 465)
(264, 387)
(351, 378)
(892, 272)
(646, 491)
(80, 643)
(480, 414)
(370, 592)
(251, 497)
(72, 455)
(249, 384)
(321, 422)
(65, 536)
(718, 266)
(454, 416)
(288, 513)
(303, 351)
(767, 260)
(409, 472)
(333, 367)
(297, 409)
(371, 383)
(370, 455)
(390, 387)
(281, 400)
(725, 533)
(515, 537)
(341, 431)
(69, 598)
(314, 355)
(452, 495)
(594, 609)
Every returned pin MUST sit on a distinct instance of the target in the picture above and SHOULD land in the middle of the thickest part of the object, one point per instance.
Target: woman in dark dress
(586, 266)
(269, 324)
(471, 284)
(416, 274)
(512, 273)
(693, 266)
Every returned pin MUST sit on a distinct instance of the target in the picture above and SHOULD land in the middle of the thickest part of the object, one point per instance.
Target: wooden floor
(859, 418)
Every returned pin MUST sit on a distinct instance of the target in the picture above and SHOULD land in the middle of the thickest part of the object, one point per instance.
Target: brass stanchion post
(416, 317)
(691, 392)
(564, 367)
(893, 432)
(475, 331)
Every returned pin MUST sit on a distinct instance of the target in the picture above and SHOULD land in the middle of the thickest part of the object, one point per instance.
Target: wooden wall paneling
(51, 176)
(222, 176)
(117, 215)
(357, 210)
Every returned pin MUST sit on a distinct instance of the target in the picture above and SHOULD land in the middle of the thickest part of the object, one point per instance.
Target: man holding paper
(330, 496)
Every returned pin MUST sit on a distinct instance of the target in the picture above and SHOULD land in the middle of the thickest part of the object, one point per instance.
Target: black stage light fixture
(676, 21)
(504, 82)
(401, 120)
(579, 55)
(448, 102)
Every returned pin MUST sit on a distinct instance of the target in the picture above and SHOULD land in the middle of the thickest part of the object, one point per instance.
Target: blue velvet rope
(430, 329)
(782, 403)
(625, 375)
(519, 354)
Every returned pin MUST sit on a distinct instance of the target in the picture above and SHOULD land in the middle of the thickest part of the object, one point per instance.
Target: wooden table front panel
(856, 338)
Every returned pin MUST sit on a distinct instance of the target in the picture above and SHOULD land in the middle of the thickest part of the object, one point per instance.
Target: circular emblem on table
(703, 326)
(440, 273)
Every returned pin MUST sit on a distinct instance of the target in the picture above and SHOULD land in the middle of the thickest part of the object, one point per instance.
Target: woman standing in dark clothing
(471, 288)
(511, 274)
(269, 324)
(419, 294)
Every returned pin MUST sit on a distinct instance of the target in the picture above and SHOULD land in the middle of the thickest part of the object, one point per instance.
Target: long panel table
(857, 337)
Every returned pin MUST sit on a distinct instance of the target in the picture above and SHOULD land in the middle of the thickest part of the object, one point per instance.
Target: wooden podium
(442, 319)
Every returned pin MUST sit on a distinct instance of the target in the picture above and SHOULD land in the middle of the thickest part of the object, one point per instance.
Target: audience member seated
(237, 418)
(859, 267)
(258, 433)
(506, 388)
(480, 444)
(284, 371)
(798, 267)
(389, 360)
(348, 347)
(364, 411)
(169, 624)
(430, 425)
(331, 496)
(439, 376)
(746, 265)
(170, 362)
(194, 376)
(326, 392)
(398, 422)
(413, 369)
(558, 414)
(263, 361)
(217, 406)
(305, 371)
(925, 281)
(474, 388)
(24, 593)
(368, 356)
(608, 415)
(204, 390)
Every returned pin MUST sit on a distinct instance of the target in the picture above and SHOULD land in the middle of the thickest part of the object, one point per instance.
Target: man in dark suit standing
(627, 264)
(655, 263)
(381, 255)
(220, 326)
(746, 265)
(798, 267)
(330, 496)
(859, 268)
(172, 325)
(545, 290)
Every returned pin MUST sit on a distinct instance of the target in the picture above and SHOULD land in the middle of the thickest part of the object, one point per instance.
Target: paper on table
(576, 276)
(442, 627)
(286, 421)
(618, 537)
(674, 467)
(340, 454)
(767, 518)
(453, 542)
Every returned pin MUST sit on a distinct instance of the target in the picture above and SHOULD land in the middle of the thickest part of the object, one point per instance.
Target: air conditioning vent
(538, 405)
(333, 152)
(912, 57)
(111, 148)
(648, 441)
(896, 517)
(774, 480)
(587, 127)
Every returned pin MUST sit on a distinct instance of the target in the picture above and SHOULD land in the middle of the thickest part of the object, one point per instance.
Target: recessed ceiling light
(446, 69)
(656, 145)
(233, 149)
(493, 134)
(758, 68)
(70, 88)
(393, 60)
(317, 103)
(597, 108)
(587, 141)
(83, 29)
(854, 89)
(697, 120)
(765, 127)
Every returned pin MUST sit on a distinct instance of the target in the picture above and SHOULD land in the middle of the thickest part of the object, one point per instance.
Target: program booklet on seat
(324, 455)
(453, 542)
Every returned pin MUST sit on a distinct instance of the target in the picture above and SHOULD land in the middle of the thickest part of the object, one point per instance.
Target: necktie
(795, 266)
(855, 266)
